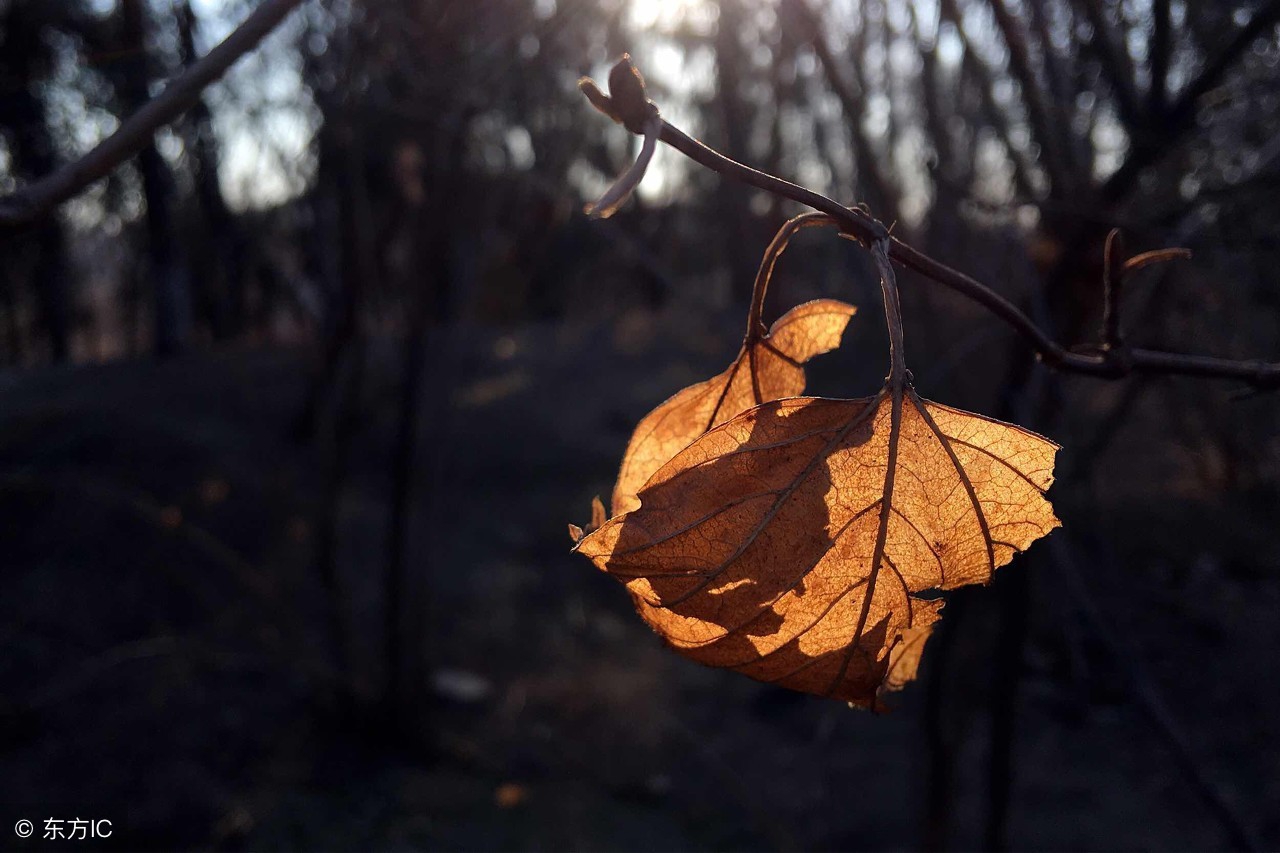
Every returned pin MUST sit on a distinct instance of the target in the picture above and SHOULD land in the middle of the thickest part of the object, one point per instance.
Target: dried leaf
(768, 368)
(598, 518)
(799, 543)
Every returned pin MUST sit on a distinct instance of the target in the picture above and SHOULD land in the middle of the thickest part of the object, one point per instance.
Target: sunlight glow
(668, 15)
(678, 77)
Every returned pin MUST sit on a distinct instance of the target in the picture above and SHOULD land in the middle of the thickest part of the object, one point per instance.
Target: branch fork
(1114, 348)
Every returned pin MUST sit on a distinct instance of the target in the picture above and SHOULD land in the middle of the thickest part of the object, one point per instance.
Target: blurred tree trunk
(735, 200)
(168, 271)
(215, 246)
(408, 592)
(1045, 130)
(344, 259)
(39, 254)
(873, 187)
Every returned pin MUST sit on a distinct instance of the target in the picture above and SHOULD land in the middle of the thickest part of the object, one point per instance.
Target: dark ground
(164, 660)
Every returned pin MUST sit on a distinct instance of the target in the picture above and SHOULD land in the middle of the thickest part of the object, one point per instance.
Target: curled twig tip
(625, 185)
(628, 104)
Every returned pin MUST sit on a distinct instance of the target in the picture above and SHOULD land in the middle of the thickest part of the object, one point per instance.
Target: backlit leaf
(765, 369)
(803, 542)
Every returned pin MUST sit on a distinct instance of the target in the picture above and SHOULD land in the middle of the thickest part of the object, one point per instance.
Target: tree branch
(37, 199)
(1043, 128)
(809, 29)
(1060, 96)
(1116, 66)
(973, 67)
(1181, 114)
(1161, 48)
(631, 107)
(1112, 281)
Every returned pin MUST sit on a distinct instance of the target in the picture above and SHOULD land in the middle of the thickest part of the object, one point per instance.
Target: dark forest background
(296, 404)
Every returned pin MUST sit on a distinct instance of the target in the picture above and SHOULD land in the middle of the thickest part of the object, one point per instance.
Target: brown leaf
(767, 368)
(799, 542)
(598, 519)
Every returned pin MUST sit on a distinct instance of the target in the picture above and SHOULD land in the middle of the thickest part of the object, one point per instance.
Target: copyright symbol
(23, 828)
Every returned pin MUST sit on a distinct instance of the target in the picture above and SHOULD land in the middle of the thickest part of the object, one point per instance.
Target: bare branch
(852, 98)
(1042, 124)
(869, 231)
(1181, 114)
(1161, 48)
(1060, 96)
(1116, 66)
(1155, 256)
(1112, 281)
(39, 198)
(1212, 74)
(930, 83)
(973, 67)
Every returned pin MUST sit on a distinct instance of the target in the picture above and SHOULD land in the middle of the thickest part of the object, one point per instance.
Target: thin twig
(1113, 271)
(852, 97)
(865, 228)
(1155, 256)
(974, 67)
(755, 325)
(39, 198)
(621, 190)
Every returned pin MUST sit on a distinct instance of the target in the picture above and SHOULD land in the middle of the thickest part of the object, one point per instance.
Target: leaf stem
(899, 376)
(755, 324)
